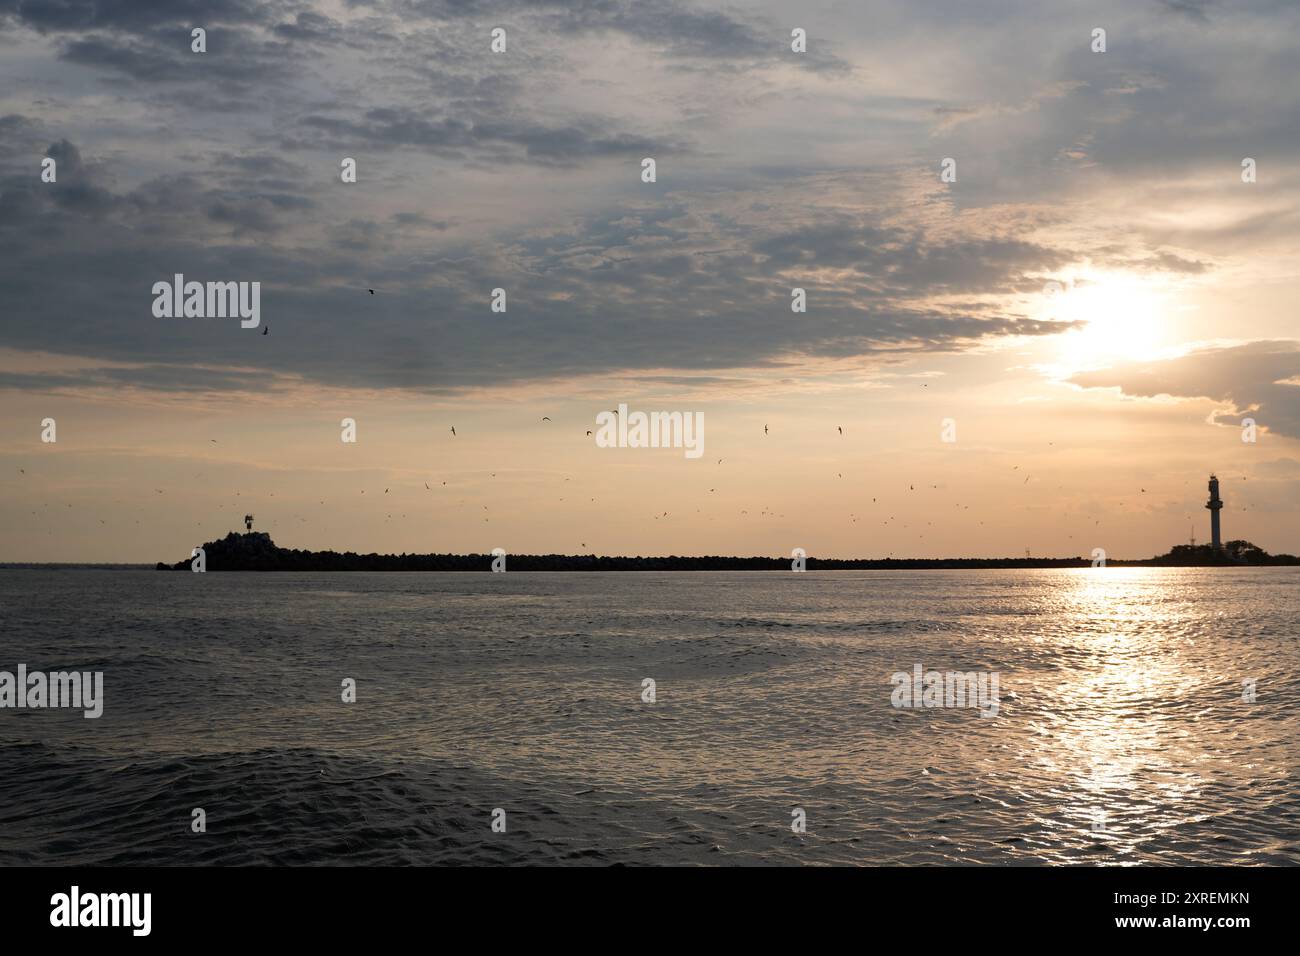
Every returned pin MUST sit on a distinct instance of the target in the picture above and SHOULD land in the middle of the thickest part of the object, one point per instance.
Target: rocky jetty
(255, 551)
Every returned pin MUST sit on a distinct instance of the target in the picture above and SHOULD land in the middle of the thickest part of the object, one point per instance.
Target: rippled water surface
(1122, 734)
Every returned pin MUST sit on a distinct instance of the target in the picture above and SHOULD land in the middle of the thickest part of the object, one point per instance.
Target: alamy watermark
(213, 300)
(38, 690)
(75, 908)
(922, 688)
(624, 429)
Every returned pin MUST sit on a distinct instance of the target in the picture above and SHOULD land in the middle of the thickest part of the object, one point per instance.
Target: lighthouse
(1215, 504)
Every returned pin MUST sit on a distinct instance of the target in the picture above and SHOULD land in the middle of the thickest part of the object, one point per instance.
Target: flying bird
(841, 428)
(764, 429)
(545, 419)
(266, 329)
(453, 429)
(371, 291)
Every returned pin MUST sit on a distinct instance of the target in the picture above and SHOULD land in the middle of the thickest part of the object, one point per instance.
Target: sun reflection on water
(1109, 735)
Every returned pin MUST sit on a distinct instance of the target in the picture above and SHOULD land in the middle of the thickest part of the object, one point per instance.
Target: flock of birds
(765, 512)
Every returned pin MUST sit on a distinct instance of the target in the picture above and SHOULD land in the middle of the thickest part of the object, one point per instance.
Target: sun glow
(1125, 318)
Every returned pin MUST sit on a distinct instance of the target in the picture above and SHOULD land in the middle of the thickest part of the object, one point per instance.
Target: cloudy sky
(1097, 301)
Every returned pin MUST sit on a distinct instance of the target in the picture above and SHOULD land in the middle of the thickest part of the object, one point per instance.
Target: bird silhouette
(545, 419)
(764, 429)
(266, 329)
(841, 428)
(453, 429)
(371, 291)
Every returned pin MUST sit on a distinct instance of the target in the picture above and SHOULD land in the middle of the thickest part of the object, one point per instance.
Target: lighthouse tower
(1215, 504)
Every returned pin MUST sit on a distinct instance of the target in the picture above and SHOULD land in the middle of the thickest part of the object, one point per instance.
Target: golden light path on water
(1125, 731)
(1109, 737)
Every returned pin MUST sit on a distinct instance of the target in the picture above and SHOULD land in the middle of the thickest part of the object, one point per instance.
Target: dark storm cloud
(236, 60)
(18, 134)
(236, 197)
(312, 27)
(646, 288)
(255, 213)
(77, 16)
(1195, 9)
(1160, 105)
(473, 107)
(75, 191)
(504, 141)
(675, 29)
(164, 378)
(900, 261)
(1252, 378)
(149, 41)
(693, 274)
(415, 219)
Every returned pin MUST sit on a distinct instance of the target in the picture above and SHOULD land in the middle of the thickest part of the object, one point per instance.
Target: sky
(1090, 309)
